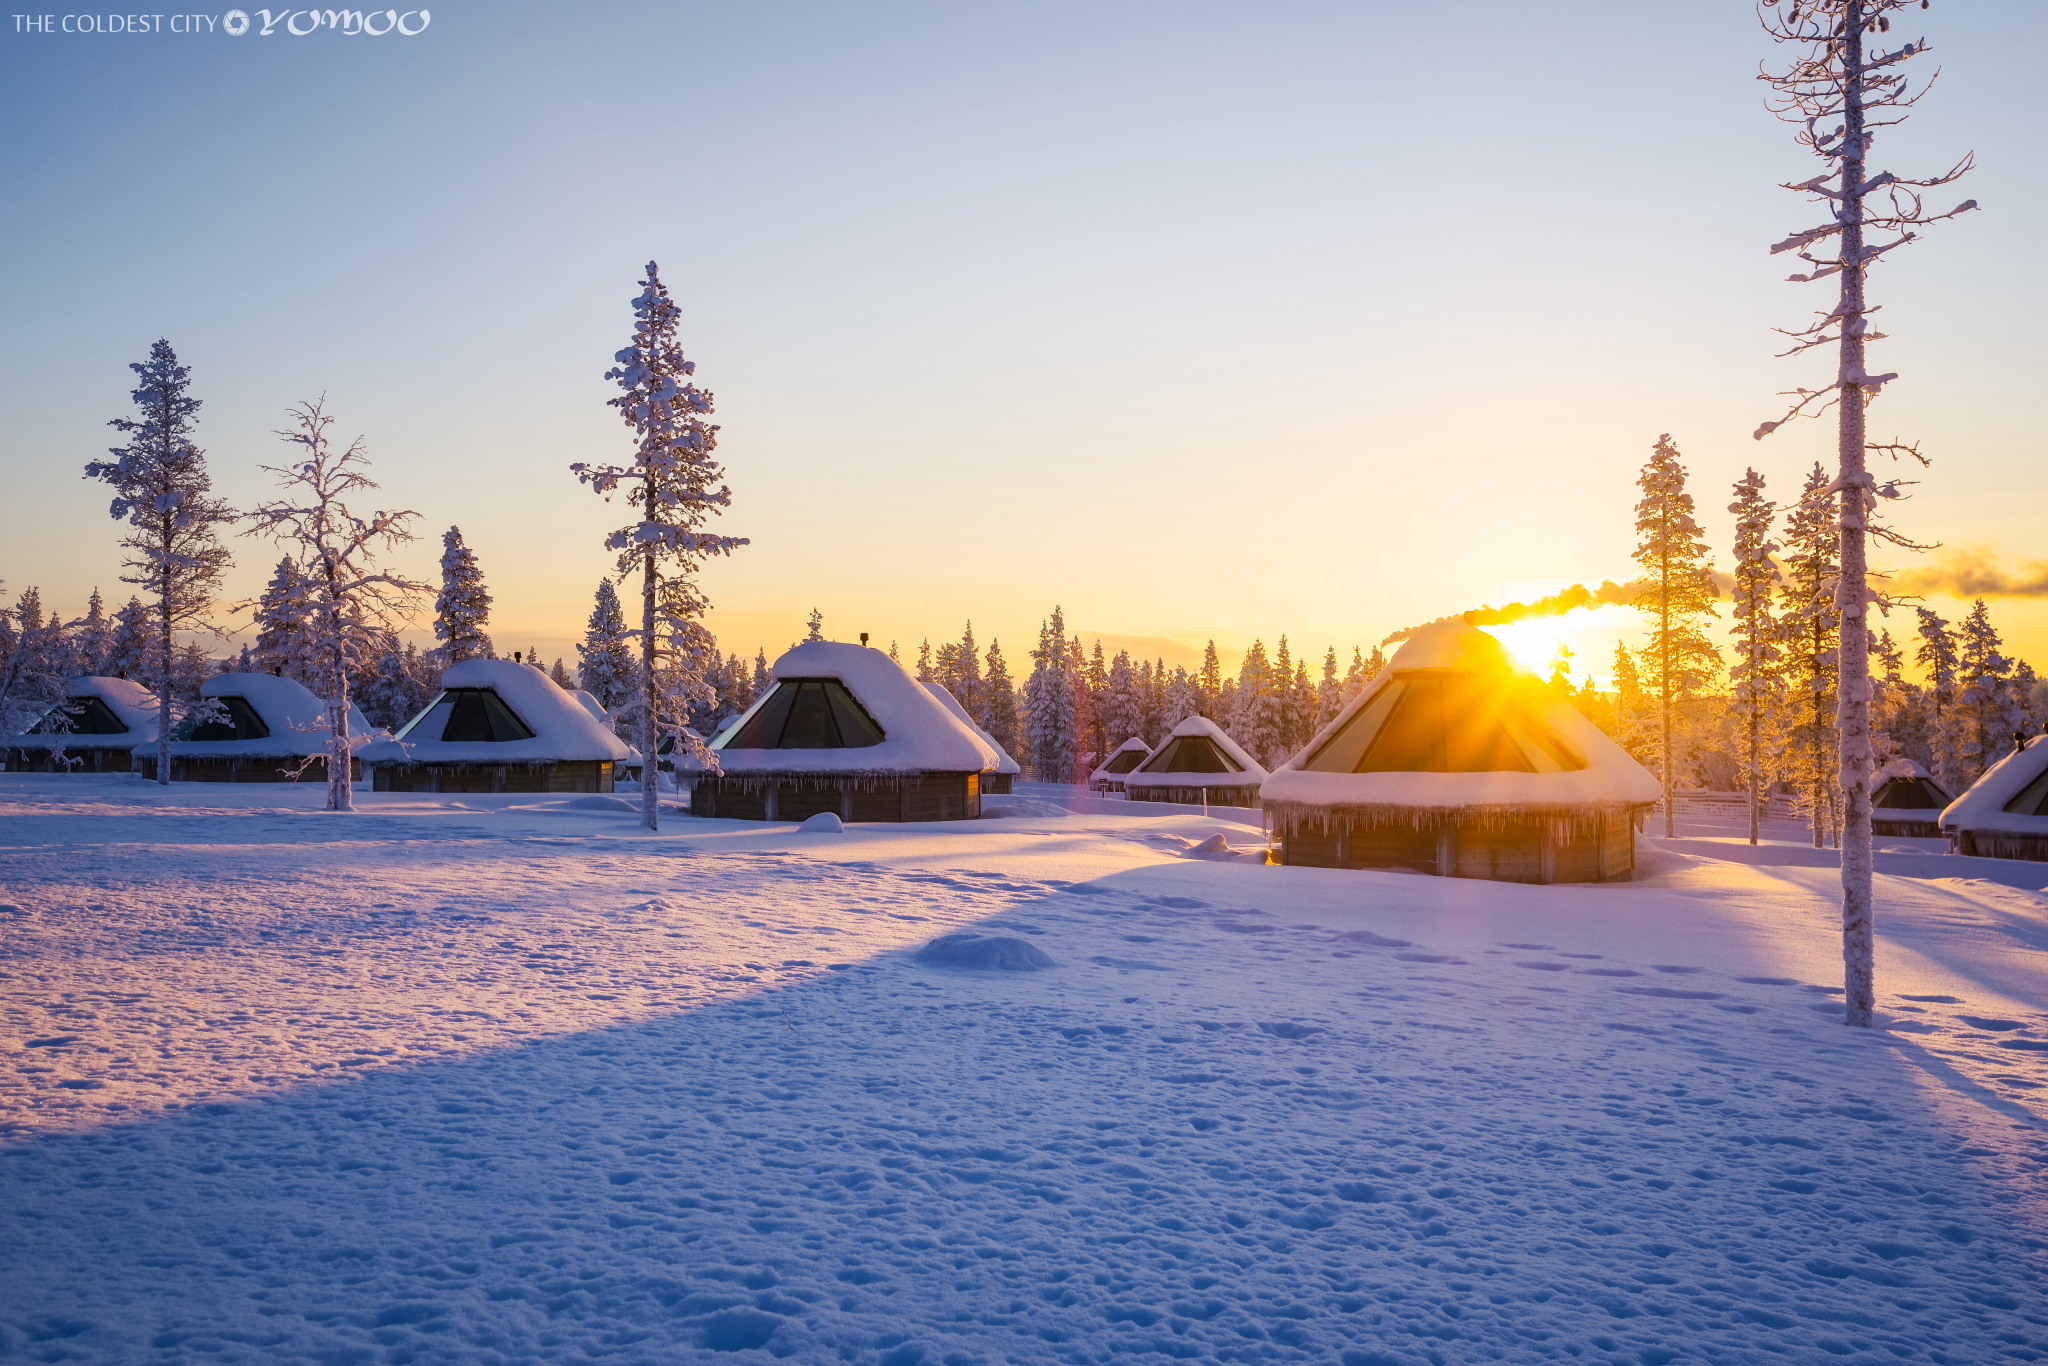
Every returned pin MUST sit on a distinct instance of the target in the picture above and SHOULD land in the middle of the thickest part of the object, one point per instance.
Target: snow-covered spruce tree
(763, 675)
(1676, 598)
(33, 663)
(816, 629)
(1285, 711)
(1991, 713)
(1895, 727)
(559, 675)
(1250, 718)
(1082, 691)
(1094, 730)
(130, 652)
(924, 658)
(160, 488)
(1329, 693)
(1635, 728)
(1937, 656)
(1810, 619)
(348, 605)
(1209, 684)
(395, 686)
(604, 660)
(280, 618)
(1049, 704)
(966, 678)
(1759, 685)
(1183, 699)
(671, 481)
(463, 605)
(999, 700)
(1123, 704)
(92, 638)
(1835, 93)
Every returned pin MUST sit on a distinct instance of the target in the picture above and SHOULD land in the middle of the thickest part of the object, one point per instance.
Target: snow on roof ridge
(952, 704)
(920, 734)
(563, 728)
(296, 718)
(1982, 805)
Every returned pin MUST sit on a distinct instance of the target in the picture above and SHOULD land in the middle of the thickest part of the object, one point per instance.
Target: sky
(1195, 321)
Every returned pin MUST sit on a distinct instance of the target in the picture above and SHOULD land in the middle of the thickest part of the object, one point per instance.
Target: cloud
(1971, 572)
(1608, 594)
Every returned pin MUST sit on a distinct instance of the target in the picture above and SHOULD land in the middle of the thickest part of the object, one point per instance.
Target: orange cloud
(1972, 572)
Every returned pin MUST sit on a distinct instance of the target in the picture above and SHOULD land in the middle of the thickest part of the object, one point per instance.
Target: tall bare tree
(349, 606)
(1836, 94)
(673, 480)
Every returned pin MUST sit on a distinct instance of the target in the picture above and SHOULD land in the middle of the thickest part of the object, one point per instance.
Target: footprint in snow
(1283, 1029)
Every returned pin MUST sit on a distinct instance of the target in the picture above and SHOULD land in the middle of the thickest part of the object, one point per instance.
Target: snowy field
(507, 1080)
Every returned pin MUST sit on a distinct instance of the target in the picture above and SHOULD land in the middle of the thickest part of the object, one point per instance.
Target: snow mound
(1216, 849)
(984, 951)
(601, 804)
(1027, 806)
(824, 823)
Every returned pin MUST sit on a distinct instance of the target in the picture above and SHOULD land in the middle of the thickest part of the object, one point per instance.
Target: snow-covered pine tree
(1304, 710)
(1991, 714)
(1049, 704)
(1810, 620)
(670, 480)
(1251, 718)
(130, 652)
(762, 676)
(1676, 599)
(1286, 717)
(1937, 656)
(281, 625)
(1183, 699)
(604, 660)
(347, 603)
(816, 629)
(966, 677)
(160, 488)
(464, 605)
(396, 685)
(924, 660)
(999, 701)
(1209, 685)
(1094, 731)
(1123, 704)
(92, 637)
(1561, 668)
(1635, 728)
(1083, 694)
(33, 668)
(1329, 692)
(1156, 682)
(1758, 681)
(1829, 91)
(560, 676)
(1895, 726)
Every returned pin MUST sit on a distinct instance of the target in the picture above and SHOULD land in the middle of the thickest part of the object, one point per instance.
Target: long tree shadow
(897, 1164)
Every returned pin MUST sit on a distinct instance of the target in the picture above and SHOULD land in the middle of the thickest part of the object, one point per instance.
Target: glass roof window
(1444, 722)
(1191, 754)
(467, 716)
(2033, 798)
(242, 723)
(88, 715)
(1124, 761)
(806, 713)
(1909, 794)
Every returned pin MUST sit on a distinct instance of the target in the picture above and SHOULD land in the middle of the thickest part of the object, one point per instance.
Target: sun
(1534, 641)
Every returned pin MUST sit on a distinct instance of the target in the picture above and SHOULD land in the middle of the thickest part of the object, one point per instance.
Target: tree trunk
(1664, 686)
(340, 794)
(163, 699)
(1753, 744)
(1853, 661)
(650, 759)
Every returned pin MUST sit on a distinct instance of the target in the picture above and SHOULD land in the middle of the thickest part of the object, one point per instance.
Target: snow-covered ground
(508, 1079)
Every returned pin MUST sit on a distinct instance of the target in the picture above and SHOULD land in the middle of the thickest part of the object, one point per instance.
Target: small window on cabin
(88, 715)
(1910, 794)
(1192, 754)
(807, 713)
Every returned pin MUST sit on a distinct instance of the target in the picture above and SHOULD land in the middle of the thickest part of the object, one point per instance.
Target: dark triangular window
(1123, 761)
(2033, 798)
(1192, 754)
(807, 713)
(242, 723)
(81, 716)
(1909, 794)
(468, 715)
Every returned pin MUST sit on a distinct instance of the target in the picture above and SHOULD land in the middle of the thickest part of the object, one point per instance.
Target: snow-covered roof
(2010, 799)
(295, 718)
(1162, 768)
(563, 729)
(1454, 726)
(593, 706)
(952, 704)
(133, 705)
(1131, 746)
(918, 733)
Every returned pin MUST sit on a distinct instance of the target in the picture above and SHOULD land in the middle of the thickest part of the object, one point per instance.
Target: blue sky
(1199, 321)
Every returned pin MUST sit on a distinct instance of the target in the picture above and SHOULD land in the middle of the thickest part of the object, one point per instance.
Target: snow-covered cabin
(1456, 760)
(1198, 764)
(844, 729)
(999, 778)
(498, 726)
(95, 729)
(2004, 814)
(1907, 801)
(1124, 758)
(265, 729)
